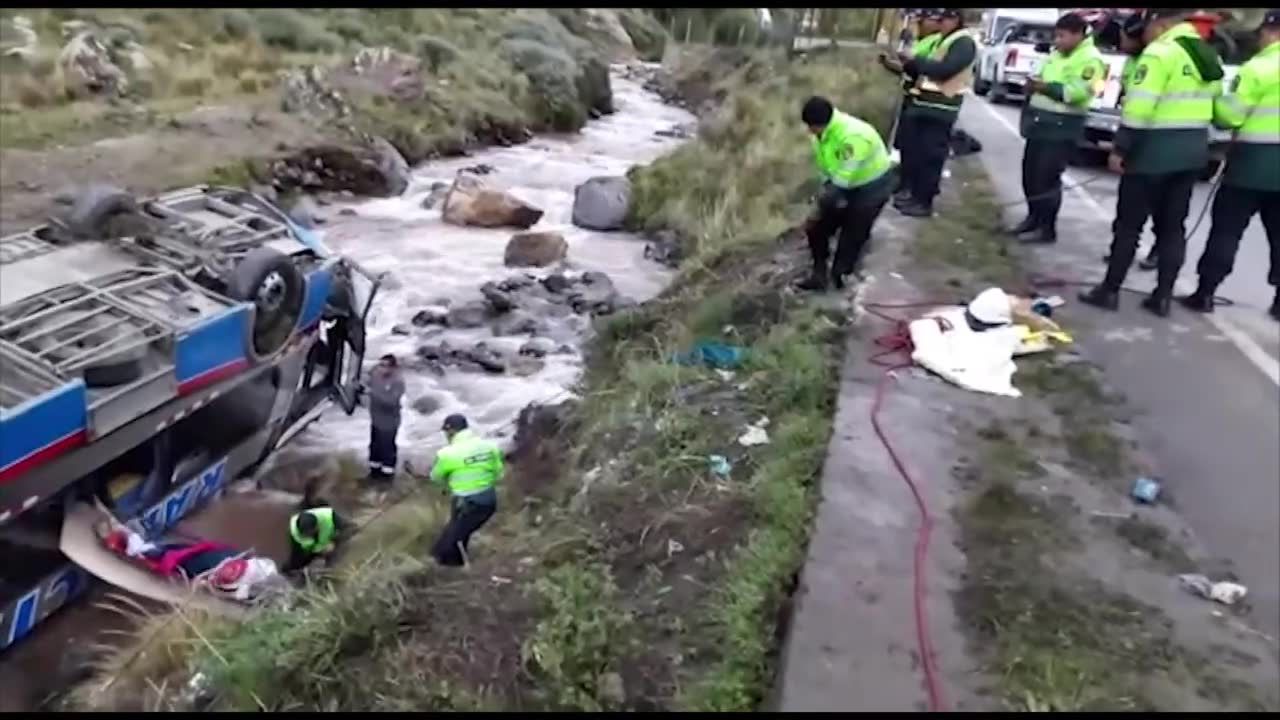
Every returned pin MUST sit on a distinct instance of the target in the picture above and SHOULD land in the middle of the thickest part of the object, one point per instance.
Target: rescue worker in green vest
(857, 182)
(1053, 123)
(1251, 180)
(1131, 45)
(313, 532)
(1160, 149)
(941, 80)
(470, 466)
(927, 19)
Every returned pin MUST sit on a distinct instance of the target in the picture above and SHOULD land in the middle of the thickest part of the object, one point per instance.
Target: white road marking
(1244, 343)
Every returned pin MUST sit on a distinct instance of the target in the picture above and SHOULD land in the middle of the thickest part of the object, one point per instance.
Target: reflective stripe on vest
(1252, 106)
(836, 152)
(1182, 102)
(1079, 74)
(324, 530)
(470, 464)
(923, 47)
(953, 86)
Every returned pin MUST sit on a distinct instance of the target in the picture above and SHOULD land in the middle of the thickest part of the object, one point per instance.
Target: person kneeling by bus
(313, 532)
(471, 467)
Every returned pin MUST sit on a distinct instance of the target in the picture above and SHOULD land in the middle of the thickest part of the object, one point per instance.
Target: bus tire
(269, 279)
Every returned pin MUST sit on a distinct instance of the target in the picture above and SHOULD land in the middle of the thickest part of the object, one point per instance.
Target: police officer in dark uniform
(1131, 44)
(1251, 181)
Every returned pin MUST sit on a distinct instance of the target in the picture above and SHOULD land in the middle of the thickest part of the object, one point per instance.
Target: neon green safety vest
(469, 463)
(923, 47)
(1126, 72)
(1077, 77)
(1252, 109)
(325, 530)
(1168, 108)
(850, 152)
(948, 94)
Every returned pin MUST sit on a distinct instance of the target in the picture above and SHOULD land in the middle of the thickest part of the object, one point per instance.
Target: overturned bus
(151, 351)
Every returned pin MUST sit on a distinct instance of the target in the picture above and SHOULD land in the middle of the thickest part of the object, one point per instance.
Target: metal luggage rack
(52, 337)
(23, 246)
(207, 227)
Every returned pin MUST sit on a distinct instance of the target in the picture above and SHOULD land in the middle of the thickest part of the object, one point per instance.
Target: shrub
(291, 30)
(553, 78)
(235, 23)
(646, 33)
(437, 52)
(351, 29)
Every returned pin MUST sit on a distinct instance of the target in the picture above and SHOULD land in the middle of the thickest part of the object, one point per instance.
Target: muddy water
(430, 262)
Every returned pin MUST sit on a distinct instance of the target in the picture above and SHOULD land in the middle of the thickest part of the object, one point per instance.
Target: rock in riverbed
(470, 202)
(536, 249)
(601, 203)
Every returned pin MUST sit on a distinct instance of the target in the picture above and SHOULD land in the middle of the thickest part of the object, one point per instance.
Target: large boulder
(470, 202)
(535, 249)
(601, 203)
(87, 69)
(374, 170)
(607, 25)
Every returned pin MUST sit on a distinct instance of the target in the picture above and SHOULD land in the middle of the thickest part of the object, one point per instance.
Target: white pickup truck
(1008, 54)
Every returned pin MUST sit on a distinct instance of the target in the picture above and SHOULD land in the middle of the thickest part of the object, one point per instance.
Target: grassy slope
(620, 573)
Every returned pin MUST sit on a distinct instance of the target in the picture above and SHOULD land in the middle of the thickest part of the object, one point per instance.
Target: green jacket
(1164, 122)
(922, 49)
(326, 530)
(950, 59)
(1072, 81)
(469, 464)
(850, 152)
(1252, 110)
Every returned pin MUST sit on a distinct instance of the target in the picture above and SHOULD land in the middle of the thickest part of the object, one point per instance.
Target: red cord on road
(898, 343)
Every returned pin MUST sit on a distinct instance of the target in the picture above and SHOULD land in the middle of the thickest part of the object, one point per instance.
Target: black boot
(1103, 297)
(817, 280)
(1158, 303)
(1028, 223)
(1275, 306)
(1201, 300)
(915, 208)
(837, 280)
(901, 195)
(1038, 236)
(1151, 261)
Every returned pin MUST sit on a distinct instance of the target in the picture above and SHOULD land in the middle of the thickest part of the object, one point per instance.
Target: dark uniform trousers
(926, 149)
(1233, 208)
(851, 213)
(1043, 162)
(467, 515)
(1165, 199)
(901, 142)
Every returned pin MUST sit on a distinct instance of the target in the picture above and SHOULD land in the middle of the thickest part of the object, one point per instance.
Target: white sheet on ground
(978, 361)
(80, 543)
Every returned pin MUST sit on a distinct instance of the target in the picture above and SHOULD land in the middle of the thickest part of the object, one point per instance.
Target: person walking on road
(1160, 149)
(471, 467)
(903, 136)
(1053, 123)
(936, 96)
(385, 387)
(857, 182)
(1251, 181)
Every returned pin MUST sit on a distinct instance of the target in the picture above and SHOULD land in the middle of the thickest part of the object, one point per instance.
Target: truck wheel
(980, 86)
(270, 281)
(91, 208)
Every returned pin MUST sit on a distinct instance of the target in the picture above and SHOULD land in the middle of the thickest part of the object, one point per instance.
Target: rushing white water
(430, 261)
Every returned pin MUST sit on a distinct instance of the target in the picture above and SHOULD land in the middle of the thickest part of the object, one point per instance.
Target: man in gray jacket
(385, 387)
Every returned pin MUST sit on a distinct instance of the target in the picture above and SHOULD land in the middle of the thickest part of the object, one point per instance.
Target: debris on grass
(1227, 593)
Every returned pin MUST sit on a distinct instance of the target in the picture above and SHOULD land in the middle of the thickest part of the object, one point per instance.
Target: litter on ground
(755, 433)
(1145, 490)
(720, 465)
(713, 355)
(1227, 593)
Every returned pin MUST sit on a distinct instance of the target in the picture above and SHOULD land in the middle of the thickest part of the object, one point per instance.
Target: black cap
(1134, 25)
(1163, 13)
(455, 422)
(1271, 19)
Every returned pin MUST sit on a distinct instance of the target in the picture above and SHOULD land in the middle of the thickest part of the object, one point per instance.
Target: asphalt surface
(1206, 389)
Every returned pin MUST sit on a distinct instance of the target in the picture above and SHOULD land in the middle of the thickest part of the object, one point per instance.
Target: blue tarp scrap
(712, 354)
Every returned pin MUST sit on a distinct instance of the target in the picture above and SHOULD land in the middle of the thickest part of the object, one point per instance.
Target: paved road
(1206, 388)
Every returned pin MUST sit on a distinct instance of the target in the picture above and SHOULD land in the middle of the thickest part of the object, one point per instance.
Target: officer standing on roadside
(857, 182)
(471, 466)
(1053, 123)
(1160, 149)
(1131, 45)
(1251, 181)
(936, 96)
(903, 139)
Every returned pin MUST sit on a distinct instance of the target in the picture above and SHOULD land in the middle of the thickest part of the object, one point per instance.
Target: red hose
(898, 343)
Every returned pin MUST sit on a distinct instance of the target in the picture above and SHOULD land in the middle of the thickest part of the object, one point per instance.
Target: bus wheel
(269, 280)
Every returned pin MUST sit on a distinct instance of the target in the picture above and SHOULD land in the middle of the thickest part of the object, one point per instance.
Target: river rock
(517, 323)
(468, 315)
(557, 283)
(525, 365)
(486, 357)
(400, 329)
(430, 316)
(439, 190)
(426, 404)
(501, 301)
(537, 249)
(470, 202)
(665, 248)
(376, 170)
(601, 203)
(538, 347)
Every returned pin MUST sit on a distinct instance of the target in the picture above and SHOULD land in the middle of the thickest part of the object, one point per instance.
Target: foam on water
(430, 261)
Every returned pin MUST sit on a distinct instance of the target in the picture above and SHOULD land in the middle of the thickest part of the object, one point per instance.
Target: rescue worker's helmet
(454, 423)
